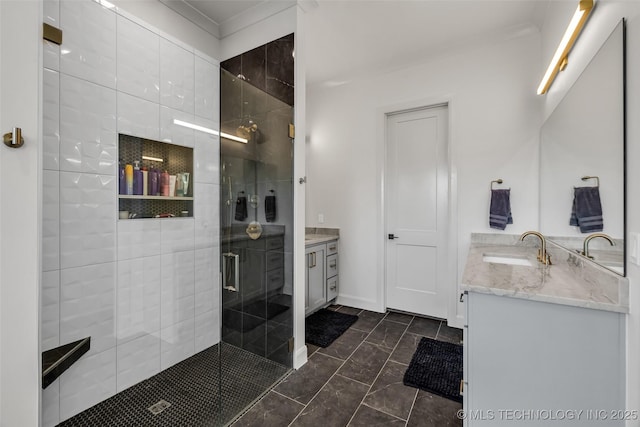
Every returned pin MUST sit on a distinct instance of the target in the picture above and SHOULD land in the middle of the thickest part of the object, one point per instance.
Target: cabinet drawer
(332, 265)
(274, 243)
(332, 247)
(275, 279)
(332, 288)
(275, 260)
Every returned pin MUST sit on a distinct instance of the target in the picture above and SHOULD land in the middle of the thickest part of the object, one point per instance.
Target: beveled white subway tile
(51, 51)
(138, 360)
(138, 298)
(207, 100)
(207, 215)
(92, 58)
(207, 330)
(90, 380)
(138, 61)
(178, 288)
(173, 133)
(177, 343)
(177, 80)
(176, 235)
(138, 238)
(206, 270)
(50, 119)
(87, 219)
(51, 404)
(50, 310)
(138, 117)
(50, 220)
(88, 139)
(206, 157)
(87, 305)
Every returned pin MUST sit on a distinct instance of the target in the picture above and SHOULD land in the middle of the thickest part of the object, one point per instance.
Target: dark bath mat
(324, 326)
(436, 367)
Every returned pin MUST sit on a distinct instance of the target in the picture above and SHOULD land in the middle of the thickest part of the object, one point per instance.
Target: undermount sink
(506, 259)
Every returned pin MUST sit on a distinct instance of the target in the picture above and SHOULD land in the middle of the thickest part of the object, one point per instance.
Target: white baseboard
(300, 357)
(364, 304)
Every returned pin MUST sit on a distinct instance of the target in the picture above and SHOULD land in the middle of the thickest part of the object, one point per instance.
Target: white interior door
(417, 194)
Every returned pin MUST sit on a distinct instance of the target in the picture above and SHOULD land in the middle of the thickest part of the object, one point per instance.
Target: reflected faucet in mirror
(585, 245)
(543, 256)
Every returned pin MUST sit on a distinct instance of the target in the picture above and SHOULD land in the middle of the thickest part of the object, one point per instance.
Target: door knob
(393, 236)
(14, 139)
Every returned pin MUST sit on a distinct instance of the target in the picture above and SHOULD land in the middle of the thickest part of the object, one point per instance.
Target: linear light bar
(559, 61)
(153, 159)
(209, 131)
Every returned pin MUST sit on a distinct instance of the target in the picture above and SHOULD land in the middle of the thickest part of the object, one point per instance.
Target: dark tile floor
(357, 380)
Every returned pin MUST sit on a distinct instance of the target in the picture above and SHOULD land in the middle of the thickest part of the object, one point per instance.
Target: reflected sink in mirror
(506, 259)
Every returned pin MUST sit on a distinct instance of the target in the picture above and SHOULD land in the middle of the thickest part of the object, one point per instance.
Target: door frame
(452, 287)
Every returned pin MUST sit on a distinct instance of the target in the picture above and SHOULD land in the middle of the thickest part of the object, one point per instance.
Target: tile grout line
(386, 413)
(336, 372)
(380, 371)
(413, 404)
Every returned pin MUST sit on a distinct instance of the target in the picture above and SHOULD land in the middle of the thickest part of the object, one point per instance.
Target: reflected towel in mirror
(586, 211)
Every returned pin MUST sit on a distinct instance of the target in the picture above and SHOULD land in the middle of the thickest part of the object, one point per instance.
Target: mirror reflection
(582, 160)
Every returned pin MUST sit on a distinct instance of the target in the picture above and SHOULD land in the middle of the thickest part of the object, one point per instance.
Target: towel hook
(584, 178)
(498, 181)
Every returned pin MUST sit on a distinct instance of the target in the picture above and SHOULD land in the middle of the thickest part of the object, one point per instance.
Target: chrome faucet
(585, 245)
(543, 256)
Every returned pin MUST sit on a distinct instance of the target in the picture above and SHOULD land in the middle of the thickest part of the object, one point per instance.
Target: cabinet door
(316, 290)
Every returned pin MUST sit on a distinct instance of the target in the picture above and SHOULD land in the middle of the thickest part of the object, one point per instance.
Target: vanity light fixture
(559, 61)
(209, 130)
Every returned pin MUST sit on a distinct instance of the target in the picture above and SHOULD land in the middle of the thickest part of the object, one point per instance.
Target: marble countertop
(316, 236)
(570, 280)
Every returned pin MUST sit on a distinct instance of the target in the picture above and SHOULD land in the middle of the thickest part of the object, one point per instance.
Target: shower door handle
(231, 262)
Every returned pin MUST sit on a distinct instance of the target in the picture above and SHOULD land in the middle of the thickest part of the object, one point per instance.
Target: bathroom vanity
(321, 252)
(542, 344)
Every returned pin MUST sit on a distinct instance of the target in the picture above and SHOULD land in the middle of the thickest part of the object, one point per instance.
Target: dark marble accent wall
(268, 67)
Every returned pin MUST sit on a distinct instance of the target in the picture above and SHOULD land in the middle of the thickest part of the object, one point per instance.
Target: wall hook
(14, 139)
(497, 181)
(584, 178)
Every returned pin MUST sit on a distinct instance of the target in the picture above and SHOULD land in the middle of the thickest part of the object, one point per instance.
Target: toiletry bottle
(145, 181)
(154, 178)
(128, 172)
(165, 183)
(179, 191)
(137, 179)
(122, 181)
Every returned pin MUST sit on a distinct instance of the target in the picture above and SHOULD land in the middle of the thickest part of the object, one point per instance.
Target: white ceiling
(347, 38)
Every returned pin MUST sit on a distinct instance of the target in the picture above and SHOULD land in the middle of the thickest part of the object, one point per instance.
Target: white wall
(160, 16)
(145, 290)
(604, 18)
(20, 47)
(494, 125)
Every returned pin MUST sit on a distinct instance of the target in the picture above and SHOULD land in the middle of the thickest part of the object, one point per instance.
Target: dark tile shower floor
(192, 389)
(357, 380)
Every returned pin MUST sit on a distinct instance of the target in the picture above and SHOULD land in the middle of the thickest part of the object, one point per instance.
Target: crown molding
(198, 18)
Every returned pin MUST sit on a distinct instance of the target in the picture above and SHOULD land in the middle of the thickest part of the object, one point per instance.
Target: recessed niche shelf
(162, 156)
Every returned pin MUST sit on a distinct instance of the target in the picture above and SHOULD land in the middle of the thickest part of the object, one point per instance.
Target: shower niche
(175, 160)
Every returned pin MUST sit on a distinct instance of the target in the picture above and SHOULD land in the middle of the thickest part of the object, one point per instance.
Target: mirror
(584, 137)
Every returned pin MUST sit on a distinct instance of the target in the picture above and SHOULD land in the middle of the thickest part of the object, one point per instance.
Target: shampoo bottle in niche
(165, 183)
(137, 179)
(145, 181)
(121, 179)
(128, 173)
(154, 182)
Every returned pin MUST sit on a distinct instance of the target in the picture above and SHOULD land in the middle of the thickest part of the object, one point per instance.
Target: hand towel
(241, 208)
(586, 211)
(500, 210)
(270, 208)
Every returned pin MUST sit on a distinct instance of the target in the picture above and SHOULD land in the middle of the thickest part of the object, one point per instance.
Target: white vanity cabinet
(321, 275)
(536, 363)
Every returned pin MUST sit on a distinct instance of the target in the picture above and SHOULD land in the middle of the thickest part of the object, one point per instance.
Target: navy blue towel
(241, 208)
(586, 211)
(500, 210)
(270, 208)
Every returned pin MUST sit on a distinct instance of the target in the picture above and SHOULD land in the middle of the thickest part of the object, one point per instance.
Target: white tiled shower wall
(146, 291)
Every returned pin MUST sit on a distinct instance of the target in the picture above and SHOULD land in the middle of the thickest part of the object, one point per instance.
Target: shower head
(245, 130)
